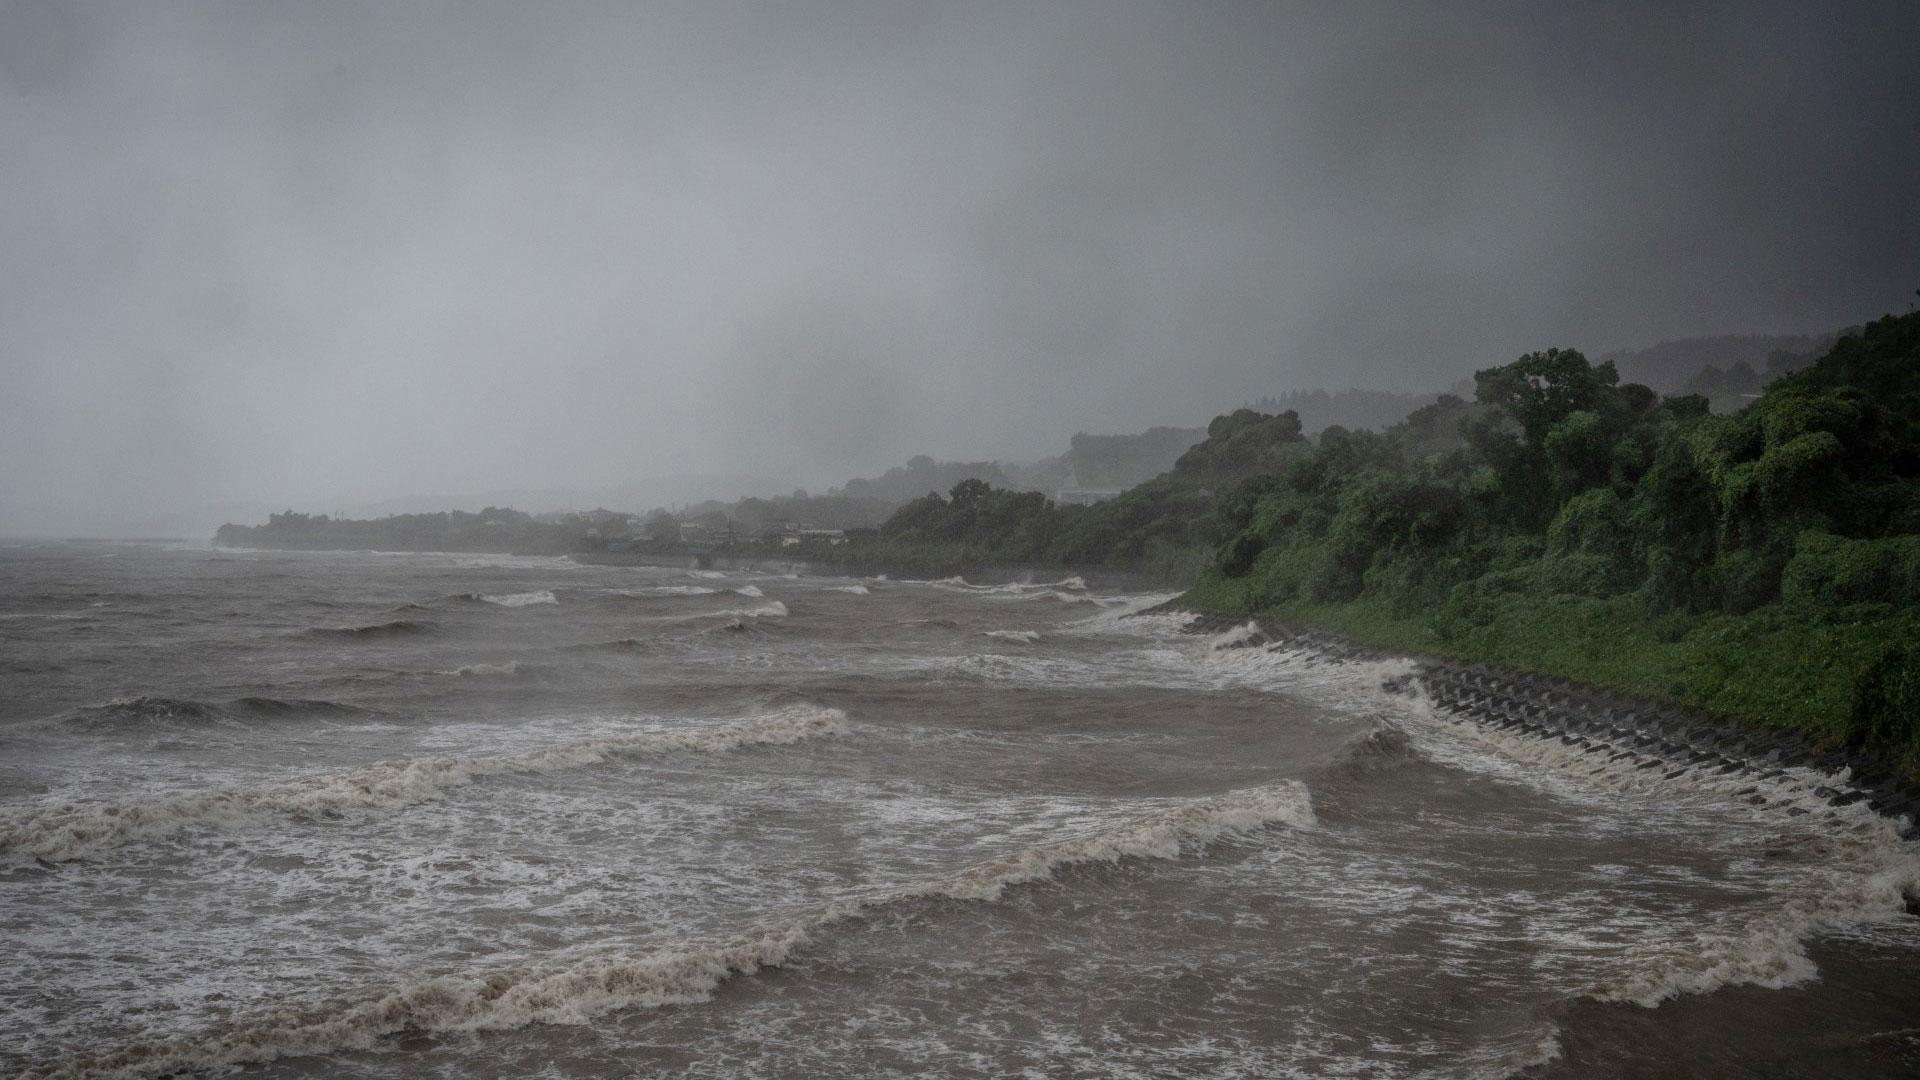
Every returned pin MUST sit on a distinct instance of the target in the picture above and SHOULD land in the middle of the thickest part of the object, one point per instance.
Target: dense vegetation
(1167, 527)
(1764, 565)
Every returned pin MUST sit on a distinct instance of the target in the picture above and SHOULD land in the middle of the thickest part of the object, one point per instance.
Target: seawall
(1612, 728)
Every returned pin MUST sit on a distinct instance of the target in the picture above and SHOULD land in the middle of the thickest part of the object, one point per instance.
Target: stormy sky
(295, 254)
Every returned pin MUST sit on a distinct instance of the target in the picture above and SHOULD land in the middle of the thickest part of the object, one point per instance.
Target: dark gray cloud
(305, 253)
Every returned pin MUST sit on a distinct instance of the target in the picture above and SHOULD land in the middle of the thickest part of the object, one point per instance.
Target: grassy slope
(1768, 668)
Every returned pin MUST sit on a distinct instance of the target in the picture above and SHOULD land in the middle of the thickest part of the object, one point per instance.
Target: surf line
(684, 973)
(68, 830)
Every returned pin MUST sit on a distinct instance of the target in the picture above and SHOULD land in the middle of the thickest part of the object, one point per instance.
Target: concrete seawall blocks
(1611, 727)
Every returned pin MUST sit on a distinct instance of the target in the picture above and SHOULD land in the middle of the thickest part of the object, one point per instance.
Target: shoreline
(1594, 720)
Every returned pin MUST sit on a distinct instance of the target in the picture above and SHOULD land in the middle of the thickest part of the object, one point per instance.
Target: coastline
(1864, 991)
(1776, 670)
(1611, 726)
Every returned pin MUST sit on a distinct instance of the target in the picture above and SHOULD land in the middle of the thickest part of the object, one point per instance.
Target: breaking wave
(750, 590)
(144, 710)
(1865, 873)
(543, 596)
(176, 713)
(625, 645)
(61, 830)
(856, 590)
(1026, 636)
(1065, 588)
(771, 609)
(576, 990)
(395, 628)
(1238, 636)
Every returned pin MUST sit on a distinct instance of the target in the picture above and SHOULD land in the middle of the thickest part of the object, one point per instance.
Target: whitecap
(544, 596)
(54, 828)
(572, 990)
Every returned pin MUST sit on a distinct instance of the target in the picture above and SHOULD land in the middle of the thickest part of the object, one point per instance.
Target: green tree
(1541, 389)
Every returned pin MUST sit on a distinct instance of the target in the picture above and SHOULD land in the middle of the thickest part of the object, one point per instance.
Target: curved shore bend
(1613, 726)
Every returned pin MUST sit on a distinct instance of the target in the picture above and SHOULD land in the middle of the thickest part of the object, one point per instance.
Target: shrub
(1885, 717)
(1829, 571)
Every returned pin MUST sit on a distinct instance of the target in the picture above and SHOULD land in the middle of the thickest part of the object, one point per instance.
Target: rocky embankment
(1614, 729)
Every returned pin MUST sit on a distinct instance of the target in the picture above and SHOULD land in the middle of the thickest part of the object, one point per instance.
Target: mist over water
(353, 814)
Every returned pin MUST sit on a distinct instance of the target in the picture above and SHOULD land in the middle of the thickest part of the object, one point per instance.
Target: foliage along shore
(1763, 567)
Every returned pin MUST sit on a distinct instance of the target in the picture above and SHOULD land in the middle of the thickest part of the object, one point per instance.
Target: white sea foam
(1861, 873)
(1028, 636)
(1067, 597)
(575, 989)
(1238, 635)
(771, 609)
(544, 596)
(671, 590)
(1863, 870)
(1122, 615)
(750, 590)
(56, 828)
(1070, 590)
(857, 590)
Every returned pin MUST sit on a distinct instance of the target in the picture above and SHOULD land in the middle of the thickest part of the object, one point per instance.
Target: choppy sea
(279, 814)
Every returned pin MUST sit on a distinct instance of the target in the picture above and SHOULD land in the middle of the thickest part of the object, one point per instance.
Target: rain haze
(321, 255)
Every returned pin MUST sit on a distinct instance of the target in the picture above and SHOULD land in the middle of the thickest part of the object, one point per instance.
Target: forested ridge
(1763, 565)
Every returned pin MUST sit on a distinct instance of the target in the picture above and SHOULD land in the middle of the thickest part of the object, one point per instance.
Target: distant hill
(1121, 461)
(920, 475)
(1680, 367)
(1374, 410)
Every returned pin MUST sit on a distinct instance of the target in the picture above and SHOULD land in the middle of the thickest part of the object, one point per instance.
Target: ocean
(361, 814)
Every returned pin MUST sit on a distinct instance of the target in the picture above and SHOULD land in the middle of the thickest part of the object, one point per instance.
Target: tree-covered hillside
(1764, 564)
